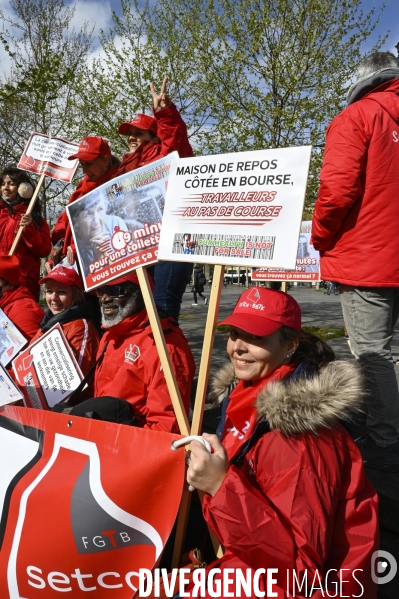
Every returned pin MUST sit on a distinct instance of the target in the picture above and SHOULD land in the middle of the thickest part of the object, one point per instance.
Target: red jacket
(34, 244)
(356, 218)
(172, 133)
(131, 369)
(22, 309)
(300, 500)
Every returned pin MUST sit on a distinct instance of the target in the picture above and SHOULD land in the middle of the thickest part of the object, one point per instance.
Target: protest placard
(116, 227)
(47, 155)
(243, 208)
(47, 371)
(307, 262)
(9, 392)
(11, 340)
(84, 504)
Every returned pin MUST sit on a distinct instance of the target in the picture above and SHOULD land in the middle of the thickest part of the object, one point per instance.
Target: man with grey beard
(130, 367)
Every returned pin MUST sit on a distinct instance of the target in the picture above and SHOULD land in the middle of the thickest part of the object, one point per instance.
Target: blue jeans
(171, 279)
(370, 315)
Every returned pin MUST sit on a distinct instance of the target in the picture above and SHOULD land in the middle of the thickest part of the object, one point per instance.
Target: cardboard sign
(11, 340)
(116, 227)
(47, 371)
(9, 392)
(49, 156)
(84, 504)
(307, 262)
(242, 209)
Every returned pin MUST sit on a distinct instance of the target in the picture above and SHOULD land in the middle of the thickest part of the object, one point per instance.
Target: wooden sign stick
(203, 377)
(28, 211)
(160, 343)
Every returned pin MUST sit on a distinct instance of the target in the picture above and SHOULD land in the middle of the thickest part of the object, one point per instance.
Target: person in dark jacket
(16, 191)
(199, 285)
(355, 229)
(284, 485)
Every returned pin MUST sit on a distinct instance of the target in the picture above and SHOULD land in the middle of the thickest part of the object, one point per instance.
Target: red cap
(140, 121)
(9, 270)
(262, 311)
(90, 148)
(133, 278)
(62, 274)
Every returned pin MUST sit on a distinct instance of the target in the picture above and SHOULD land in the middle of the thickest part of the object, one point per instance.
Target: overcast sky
(98, 12)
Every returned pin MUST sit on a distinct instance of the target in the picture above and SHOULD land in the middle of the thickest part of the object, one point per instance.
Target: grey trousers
(370, 315)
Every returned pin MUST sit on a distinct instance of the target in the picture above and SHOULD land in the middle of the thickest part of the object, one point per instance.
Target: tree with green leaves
(271, 73)
(48, 57)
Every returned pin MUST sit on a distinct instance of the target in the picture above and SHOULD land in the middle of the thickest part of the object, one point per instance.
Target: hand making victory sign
(162, 99)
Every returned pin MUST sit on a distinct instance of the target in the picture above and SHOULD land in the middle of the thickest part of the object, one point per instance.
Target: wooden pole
(160, 343)
(28, 211)
(207, 348)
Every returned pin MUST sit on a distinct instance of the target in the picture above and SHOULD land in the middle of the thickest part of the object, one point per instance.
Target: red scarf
(131, 160)
(84, 187)
(241, 411)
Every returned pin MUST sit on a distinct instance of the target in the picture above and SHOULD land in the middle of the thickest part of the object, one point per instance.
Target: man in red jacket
(16, 300)
(130, 368)
(355, 228)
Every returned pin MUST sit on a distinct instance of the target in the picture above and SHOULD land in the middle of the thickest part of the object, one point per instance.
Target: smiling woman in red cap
(66, 306)
(285, 486)
(99, 166)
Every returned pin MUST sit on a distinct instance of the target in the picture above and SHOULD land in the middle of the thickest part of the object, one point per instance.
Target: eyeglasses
(114, 290)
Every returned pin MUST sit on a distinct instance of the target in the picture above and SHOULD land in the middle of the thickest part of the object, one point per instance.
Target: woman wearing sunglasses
(67, 307)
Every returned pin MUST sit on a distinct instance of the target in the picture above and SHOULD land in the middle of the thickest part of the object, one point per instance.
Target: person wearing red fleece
(285, 487)
(150, 138)
(99, 166)
(16, 190)
(130, 368)
(16, 300)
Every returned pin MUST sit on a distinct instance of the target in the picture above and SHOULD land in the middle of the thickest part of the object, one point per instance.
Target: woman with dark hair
(284, 485)
(16, 191)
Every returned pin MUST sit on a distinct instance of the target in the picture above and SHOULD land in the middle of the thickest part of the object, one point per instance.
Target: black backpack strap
(261, 429)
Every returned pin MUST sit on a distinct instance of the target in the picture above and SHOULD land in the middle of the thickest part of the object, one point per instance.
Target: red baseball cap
(63, 274)
(90, 148)
(262, 311)
(133, 278)
(9, 270)
(140, 121)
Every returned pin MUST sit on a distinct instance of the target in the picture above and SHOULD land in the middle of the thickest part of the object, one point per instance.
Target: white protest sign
(9, 392)
(11, 340)
(49, 156)
(307, 262)
(47, 370)
(243, 208)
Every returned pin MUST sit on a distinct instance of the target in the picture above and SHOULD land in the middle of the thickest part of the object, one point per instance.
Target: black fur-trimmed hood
(306, 403)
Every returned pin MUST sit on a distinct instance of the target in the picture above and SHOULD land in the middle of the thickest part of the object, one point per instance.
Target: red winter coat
(22, 309)
(356, 217)
(131, 369)
(34, 244)
(172, 133)
(300, 500)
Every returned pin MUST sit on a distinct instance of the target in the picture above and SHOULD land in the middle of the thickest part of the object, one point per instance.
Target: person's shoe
(376, 457)
(206, 301)
(194, 304)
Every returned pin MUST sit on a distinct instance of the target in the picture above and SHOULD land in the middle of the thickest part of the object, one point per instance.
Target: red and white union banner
(84, 504)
